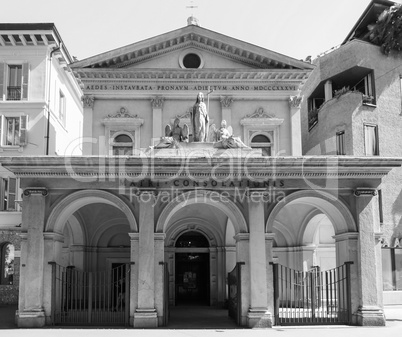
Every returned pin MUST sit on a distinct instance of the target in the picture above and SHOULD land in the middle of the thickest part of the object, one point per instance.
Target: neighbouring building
(37, 89)
(147, 219)
(352, 107)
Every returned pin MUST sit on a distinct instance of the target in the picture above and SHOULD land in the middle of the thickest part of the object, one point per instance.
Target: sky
(296, 28)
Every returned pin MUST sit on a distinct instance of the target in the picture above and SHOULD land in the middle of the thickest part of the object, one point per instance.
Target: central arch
(225, 205)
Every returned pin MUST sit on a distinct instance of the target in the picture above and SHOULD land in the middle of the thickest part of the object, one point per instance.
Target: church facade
(146, 220)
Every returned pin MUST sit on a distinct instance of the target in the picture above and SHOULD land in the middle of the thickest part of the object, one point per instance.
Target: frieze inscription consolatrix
(135, 87)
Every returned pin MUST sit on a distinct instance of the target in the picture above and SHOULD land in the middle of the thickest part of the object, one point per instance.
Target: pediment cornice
(193, 36)
(201, 74)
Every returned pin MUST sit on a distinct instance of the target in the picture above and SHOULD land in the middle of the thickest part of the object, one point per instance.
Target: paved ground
(220, 325)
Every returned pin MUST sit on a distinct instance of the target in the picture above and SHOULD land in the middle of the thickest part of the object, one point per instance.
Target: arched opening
(192, 269)
(91, 254)
(122, 144)
(263, 142)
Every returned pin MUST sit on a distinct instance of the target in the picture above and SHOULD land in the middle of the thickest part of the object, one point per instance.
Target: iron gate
(90, 298)
(234, 293)
(312, 297)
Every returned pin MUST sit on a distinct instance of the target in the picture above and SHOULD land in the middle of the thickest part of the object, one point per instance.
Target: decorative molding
(365, 192)
(122, 113)
(295, 101)
(88, 101)
(157, 102)
(260, 113)
(226, 101)
(36, 191)
(272, 76)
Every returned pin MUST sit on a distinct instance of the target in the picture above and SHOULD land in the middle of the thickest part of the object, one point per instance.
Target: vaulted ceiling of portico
(207, 213)
(225, 47)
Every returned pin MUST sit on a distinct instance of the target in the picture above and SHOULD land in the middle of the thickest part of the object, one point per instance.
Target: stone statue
(223, 137)
(200, 119)
(173, 136)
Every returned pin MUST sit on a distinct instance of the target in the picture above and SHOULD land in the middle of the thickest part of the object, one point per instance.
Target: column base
(370, 316)
(145, 318)
(30, 319)
(259, 318)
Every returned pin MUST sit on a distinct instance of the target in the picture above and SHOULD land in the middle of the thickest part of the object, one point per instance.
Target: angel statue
(173, 136)
(223, 137)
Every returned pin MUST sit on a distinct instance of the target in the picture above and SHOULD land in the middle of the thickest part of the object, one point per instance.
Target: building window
(366, 87)
(14, 87)
(122, 145)
(371, 140)
(14, 81)
(8, 193)
(262, 142)
(392, 268)
(62, 108)
(13, 130)
(340, 143)
(7, 263)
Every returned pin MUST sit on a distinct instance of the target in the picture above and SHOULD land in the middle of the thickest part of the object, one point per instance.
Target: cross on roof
(191, 7)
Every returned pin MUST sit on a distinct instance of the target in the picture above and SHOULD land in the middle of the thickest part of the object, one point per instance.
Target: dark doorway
(192, 269)
(192, 278)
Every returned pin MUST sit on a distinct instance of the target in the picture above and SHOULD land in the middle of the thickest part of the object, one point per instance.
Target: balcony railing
(14, 93)
(312, 118)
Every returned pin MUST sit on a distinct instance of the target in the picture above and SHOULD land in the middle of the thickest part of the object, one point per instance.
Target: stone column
(31, 313)
(328, 90)
(134, 254)
(370, 311)
(157, 104)
(269, 242)
(226, 103)
(88, 102)
(295, 124)
(242, 257)
(145, 315)
(258, 315)
(159, 245)
(346, 251)
(52, 250)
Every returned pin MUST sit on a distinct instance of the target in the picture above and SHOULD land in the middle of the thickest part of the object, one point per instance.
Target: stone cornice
(291, 75)
(201, 167)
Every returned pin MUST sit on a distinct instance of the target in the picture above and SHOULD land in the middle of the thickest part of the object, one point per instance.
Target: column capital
(242, 237)
(36, 191)
(295, 102)
(157, 102)
(226, 101)
(88, 101)
(365, 192)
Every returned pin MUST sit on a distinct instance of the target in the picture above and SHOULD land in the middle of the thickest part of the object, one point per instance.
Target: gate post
(370, 311)
(30, 309)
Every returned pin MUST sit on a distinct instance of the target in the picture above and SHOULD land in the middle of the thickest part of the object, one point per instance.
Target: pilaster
(157, 105)
(88, 103)
(31, 312)
(226, 103)
(295, 124)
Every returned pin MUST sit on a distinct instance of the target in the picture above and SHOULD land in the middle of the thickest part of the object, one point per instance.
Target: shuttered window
(13, 130)
(14, 81)
(8, 190)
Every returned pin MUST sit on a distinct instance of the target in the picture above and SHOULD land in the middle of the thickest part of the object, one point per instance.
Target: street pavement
(393, 328)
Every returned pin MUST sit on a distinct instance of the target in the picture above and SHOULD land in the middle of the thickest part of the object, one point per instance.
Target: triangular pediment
(238, 54)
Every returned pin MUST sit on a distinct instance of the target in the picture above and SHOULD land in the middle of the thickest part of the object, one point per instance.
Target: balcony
(14, 93)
